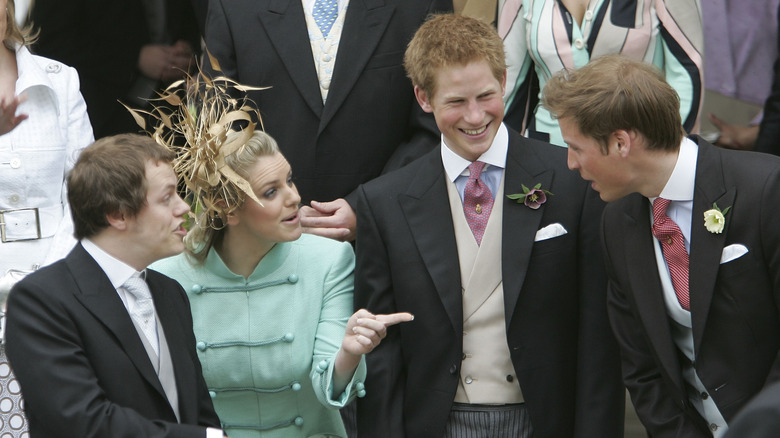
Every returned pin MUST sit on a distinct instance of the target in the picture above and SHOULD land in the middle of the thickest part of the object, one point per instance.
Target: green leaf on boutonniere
(532, 198)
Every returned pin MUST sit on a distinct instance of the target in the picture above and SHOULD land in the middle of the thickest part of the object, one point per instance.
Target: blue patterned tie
(325, 13)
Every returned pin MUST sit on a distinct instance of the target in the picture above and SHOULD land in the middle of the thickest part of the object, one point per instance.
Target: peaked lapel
(285, 24)
(645, 283)
(98, 295)
(176, 339)
(364, 25)
(706, 247)
(426, 208)
(520, 223)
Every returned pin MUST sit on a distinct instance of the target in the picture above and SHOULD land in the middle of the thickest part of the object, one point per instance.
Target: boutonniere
(532, 198)
(715, 219)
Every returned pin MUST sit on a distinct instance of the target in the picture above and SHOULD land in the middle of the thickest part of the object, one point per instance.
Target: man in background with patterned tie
(102, 346)
(692, 246)
(493, 245)
(339, 104)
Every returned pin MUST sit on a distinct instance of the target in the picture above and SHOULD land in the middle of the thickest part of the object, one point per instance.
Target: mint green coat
(267, 344)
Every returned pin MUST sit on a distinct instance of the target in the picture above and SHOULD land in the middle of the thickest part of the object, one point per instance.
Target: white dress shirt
(456, 167)
(679, 189)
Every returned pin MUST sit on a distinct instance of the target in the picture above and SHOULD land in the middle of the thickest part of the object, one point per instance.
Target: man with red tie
(692, 245)
(493, 245)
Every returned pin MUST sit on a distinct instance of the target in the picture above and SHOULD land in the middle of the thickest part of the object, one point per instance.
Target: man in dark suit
(692, 247)
(510, 336)
(98, 351)
(339, 105)
(123, 50)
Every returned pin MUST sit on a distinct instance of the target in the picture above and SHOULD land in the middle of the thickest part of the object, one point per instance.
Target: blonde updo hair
(209, 230)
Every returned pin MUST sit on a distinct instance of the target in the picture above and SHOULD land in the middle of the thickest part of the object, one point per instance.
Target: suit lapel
(646, 284)
(427, 210)
(285, 24)
(520, 223)
(706, 247)
(98, 295)
(364, 26)
(175, 337)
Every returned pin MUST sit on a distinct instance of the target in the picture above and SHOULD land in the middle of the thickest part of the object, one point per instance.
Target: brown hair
(110, 177)
(612, 93)
(446, 40)
(201, 238)
(13, 33)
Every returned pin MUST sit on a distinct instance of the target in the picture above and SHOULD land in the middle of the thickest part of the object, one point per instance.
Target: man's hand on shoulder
(335, 220)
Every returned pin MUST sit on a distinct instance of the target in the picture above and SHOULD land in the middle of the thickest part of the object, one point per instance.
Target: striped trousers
(488, 421)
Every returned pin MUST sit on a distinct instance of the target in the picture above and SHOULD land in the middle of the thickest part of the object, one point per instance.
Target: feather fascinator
(195, 123)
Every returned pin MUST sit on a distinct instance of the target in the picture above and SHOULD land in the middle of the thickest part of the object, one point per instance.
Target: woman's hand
(8, 117)
(365, 330)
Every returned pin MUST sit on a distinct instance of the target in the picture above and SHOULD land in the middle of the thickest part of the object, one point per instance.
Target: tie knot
(475, 169)
(137, 287)
(659, 209)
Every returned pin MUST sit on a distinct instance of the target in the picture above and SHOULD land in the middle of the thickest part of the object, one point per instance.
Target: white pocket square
(733, 252)
(550, 231)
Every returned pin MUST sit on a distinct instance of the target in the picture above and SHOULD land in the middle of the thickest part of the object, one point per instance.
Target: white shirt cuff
(212, 432)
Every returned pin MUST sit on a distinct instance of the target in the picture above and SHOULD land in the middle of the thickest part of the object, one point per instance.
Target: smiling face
(277, 219)
(607, 172)
(157, 230)
(468, 107)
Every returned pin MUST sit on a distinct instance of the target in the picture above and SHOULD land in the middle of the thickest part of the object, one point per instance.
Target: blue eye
(269, 194)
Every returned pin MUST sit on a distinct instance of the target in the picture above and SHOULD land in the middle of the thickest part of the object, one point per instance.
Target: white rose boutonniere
(715, 219)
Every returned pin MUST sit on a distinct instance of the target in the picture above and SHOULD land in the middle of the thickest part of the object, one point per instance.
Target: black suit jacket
(371, 120)
(760, 418)
(82, 367)
(554, 295)
(102, 41)
(734, 306)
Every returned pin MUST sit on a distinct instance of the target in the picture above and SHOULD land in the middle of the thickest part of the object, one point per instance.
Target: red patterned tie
(673, 244)
(477, 201)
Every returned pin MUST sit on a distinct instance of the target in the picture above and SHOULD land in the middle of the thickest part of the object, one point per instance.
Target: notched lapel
(645, 284)
(285, 24)
(520, 223)
(98, 296)
(427, 210)
(706, 247)
(364, 25)
(172, 329)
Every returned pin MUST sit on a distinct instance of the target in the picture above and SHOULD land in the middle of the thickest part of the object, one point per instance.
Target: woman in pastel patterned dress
(543, 37)
(43, 126)
(271, 306)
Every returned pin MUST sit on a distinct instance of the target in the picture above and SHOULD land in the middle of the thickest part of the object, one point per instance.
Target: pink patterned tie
(673, 244)
(477, 201)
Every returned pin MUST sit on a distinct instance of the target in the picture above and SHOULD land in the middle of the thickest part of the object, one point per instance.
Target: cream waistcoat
(487, 375)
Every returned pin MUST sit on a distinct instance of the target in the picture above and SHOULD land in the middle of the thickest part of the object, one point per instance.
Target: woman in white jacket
(43, 126)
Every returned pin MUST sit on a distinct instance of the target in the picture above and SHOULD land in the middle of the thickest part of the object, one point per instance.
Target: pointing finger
(394, 318)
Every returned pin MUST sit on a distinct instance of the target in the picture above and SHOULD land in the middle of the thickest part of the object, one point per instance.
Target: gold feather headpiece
(195, 125)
